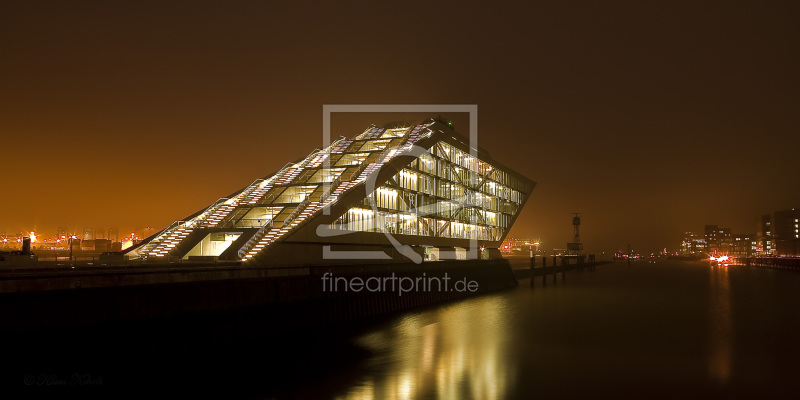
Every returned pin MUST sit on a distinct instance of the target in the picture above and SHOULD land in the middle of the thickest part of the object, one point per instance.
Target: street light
(71, 237)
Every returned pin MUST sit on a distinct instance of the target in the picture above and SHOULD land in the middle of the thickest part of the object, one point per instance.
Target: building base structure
(272, 300)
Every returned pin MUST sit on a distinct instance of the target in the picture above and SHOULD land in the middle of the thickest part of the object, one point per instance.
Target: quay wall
(228, 300)
(790, 263)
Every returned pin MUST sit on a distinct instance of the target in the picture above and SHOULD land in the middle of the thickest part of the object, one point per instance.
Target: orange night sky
(650, 119)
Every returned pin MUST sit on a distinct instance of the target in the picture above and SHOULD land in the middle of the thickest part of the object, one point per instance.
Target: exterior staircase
(270, 234)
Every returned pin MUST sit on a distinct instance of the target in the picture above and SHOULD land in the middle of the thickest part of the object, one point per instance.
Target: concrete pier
(532, 271)
(275, 299)
(790, 263)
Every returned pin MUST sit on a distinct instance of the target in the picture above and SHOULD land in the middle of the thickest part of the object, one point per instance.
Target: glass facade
(444, 192)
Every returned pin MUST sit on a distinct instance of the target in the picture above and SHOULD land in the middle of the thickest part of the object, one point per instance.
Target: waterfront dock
(529, 268)
(274, 299)
(788, 263)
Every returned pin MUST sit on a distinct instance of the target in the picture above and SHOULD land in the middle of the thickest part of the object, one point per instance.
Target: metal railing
(255, 239)
(324, 197)
(145, 250)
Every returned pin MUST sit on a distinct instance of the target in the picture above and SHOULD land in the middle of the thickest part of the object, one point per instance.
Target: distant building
(786, 232)
(116, 246)
(721, 241)
(743, 245)
(710, 235)
(516, 245)
(88, 234)
(692, 244)
(96, 245)
(717, 239)
(764, 241)
(113, 234)
(87, 245)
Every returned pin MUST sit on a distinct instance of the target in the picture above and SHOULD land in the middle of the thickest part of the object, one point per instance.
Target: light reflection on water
(455, 352)
(668, 330)
(720, 332)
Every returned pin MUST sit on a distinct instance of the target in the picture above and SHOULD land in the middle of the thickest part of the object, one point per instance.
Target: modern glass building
(395, 194)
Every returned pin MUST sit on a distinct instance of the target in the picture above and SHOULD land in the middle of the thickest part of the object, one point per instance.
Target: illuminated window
(393, 133)
(295, 194)
(214, 244)
(256, 217)
(351, 159)
(373, 145)
(325, 175)
(444, 193)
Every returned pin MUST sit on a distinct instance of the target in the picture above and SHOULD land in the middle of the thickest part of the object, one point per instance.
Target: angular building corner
(416, 193)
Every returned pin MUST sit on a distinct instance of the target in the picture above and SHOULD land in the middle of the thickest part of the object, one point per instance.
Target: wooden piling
(533, 264)
(544, 277)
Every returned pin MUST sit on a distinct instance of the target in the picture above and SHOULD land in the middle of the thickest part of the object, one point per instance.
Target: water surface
(641, 331)
(671, 330)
